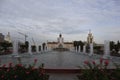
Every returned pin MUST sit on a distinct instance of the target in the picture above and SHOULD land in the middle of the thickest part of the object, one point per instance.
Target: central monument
(60, 45)
(60, 41)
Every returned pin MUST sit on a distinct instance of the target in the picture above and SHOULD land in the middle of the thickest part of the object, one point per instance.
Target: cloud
(38, 18)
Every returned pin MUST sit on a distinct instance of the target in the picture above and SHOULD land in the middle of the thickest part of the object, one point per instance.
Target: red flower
(35, 60)
(4, 65)
(33, 69)
(42, 71)
(19, 65)
(10, 64)
(106, 62)
(15, 76)
(86, 62)
(2, 76)
(101, 60)
(27, 72)
(93, 62)
(8, 70)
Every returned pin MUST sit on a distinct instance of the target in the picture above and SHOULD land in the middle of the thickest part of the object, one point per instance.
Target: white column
(29, 49)
(84, 49)
(15, 47)
(91, 49)
(106, 50)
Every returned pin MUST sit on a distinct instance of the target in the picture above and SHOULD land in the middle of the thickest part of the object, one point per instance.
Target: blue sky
(45, 19)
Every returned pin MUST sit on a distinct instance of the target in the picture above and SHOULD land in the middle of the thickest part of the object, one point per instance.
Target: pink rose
(35, 60)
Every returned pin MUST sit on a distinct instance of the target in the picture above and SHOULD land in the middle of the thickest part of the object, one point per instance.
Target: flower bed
(95, 71)
(20, 72)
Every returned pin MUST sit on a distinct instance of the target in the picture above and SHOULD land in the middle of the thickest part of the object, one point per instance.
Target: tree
(43, 46)
(118, 45)
(112, 45)
(26, 45)
(77, 44)
(5, 45)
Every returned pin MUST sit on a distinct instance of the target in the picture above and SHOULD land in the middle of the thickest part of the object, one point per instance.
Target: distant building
(60, 43)
(8, 37)
(1, 37)
(90, 38)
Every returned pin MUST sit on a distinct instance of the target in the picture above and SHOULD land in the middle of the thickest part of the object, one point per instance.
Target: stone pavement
(61, 76)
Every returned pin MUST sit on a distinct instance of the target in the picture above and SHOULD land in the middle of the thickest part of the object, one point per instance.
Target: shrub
(21, 72)
(99, 71)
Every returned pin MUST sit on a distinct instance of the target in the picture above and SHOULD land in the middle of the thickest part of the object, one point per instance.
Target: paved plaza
(57, 60)
(54, 59)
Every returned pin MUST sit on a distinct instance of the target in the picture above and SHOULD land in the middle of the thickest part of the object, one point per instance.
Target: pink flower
(42, 71)
(27, 72)
(101, 60)
(106, 62)
(93, 62)
(86, 62)
(35, 60)
(4, 65)
(2, 76)
(20, 65)
(10, 64)
(15, 76)
(8, 70)
(33, 69)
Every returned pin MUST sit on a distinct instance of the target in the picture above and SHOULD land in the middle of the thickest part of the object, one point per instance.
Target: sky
(44, 20)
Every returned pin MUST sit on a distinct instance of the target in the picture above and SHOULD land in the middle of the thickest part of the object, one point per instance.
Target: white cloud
(45, 19)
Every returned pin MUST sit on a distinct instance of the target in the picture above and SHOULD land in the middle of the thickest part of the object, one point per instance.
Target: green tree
(118, 45)
(112, 45)
(5, 45)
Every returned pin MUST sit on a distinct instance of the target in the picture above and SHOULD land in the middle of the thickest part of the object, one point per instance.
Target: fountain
(84, 49)
(60, 49)
(15, 54)
(15, 49)
(79, 48)
(76, 49)
(37, 48)
(106, 50)
(29, 49)
(91, 49)
(60, 44)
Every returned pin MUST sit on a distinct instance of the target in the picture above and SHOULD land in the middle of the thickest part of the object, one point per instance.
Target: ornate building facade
(8, 38)
(60, 44)
(1, 37)
(90, 38)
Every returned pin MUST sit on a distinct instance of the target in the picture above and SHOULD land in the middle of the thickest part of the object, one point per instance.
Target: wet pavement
(57, 60)
(63, 77)
(54, 59)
